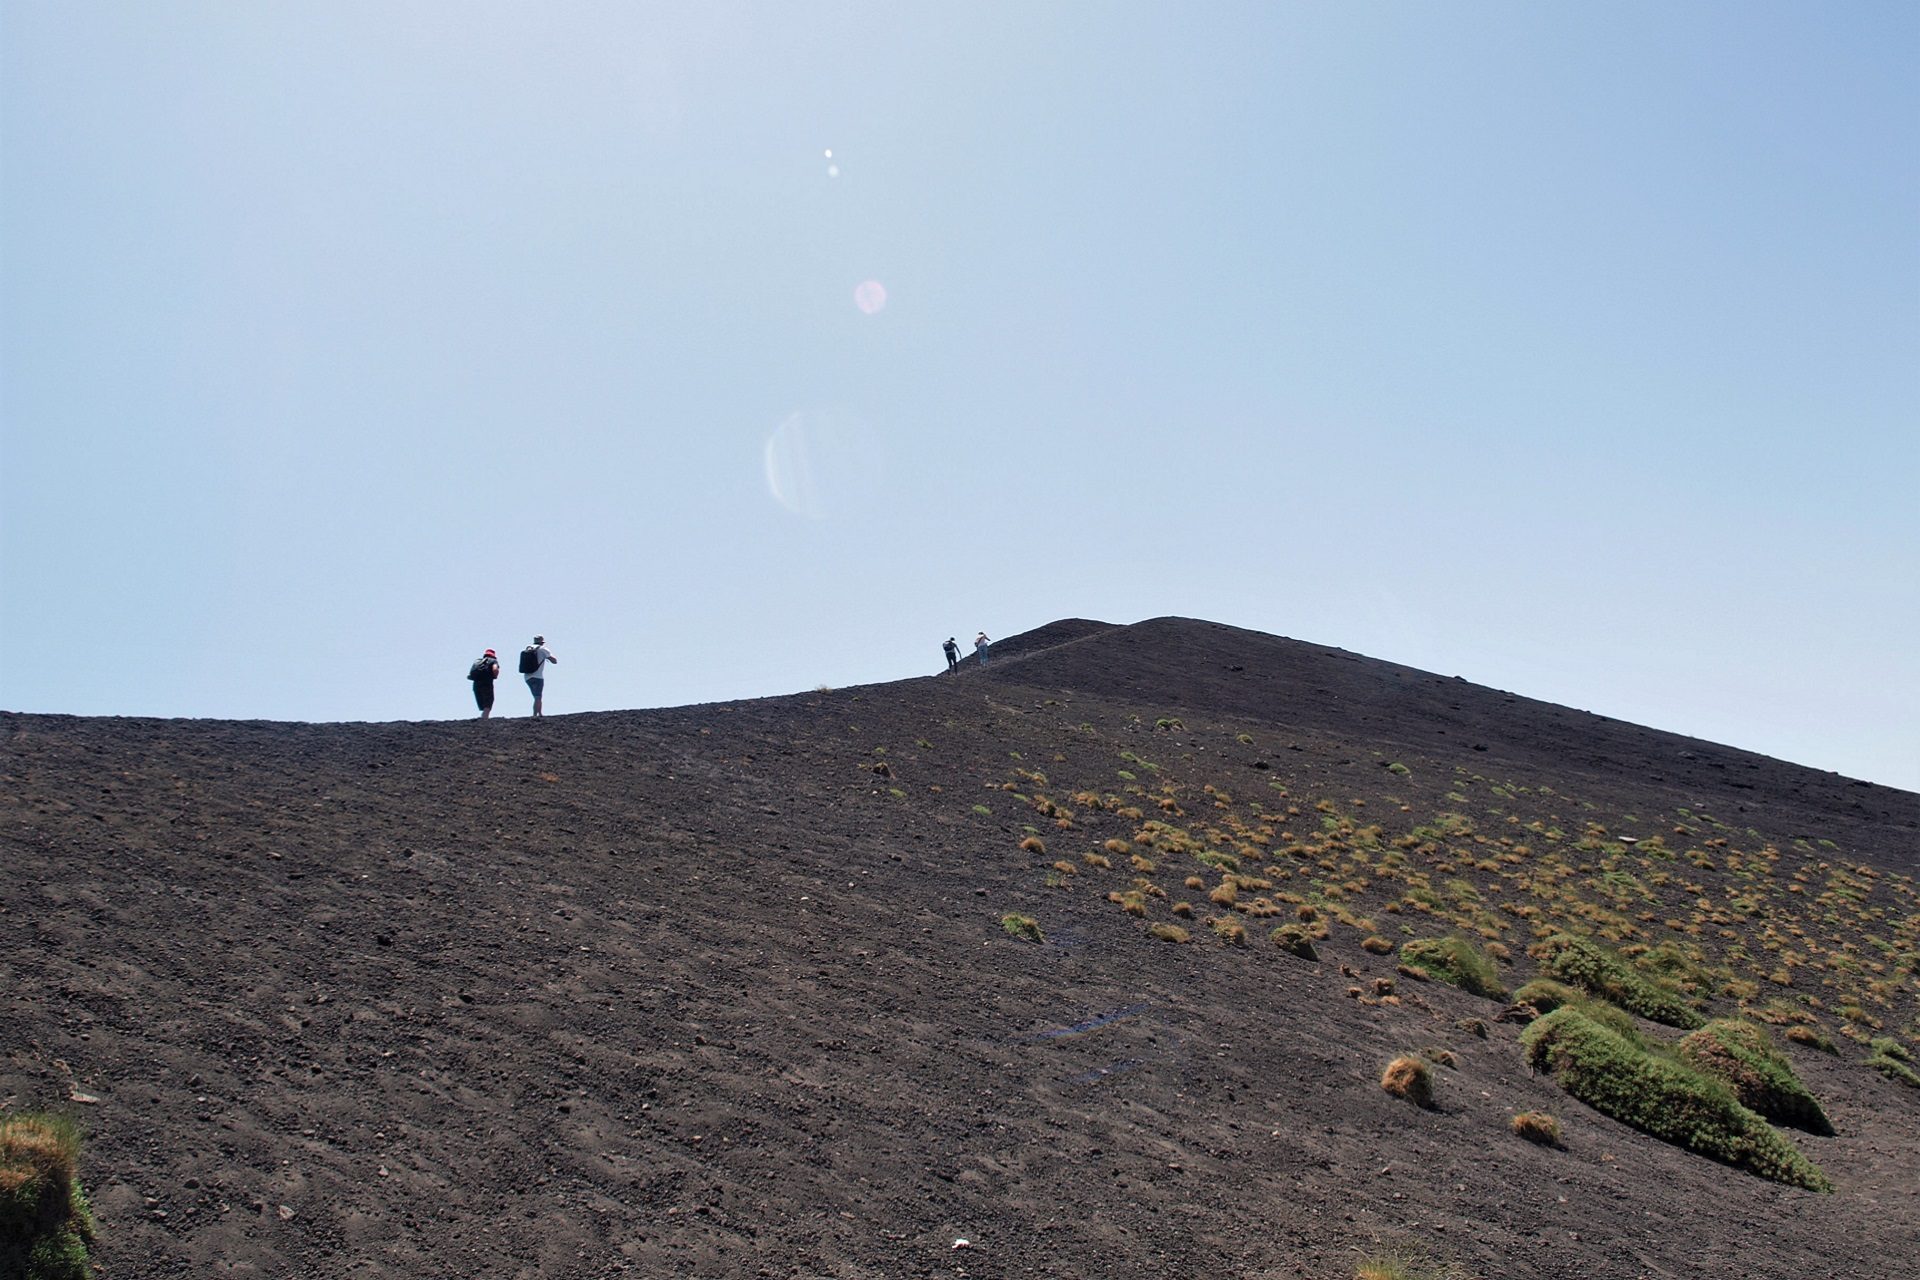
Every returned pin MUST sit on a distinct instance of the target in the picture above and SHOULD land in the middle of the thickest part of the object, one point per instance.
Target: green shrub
(45, 1224)
(1740, 1055)
(1662, 1097)
(1457, 962)
(1676, 966)
(1614, 1019)
(1546, 995)
(1890, 1059)
(1022, 927)
(1600, 972)
(1888, 1047)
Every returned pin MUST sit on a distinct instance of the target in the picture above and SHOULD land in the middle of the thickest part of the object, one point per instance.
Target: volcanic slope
(741, 989)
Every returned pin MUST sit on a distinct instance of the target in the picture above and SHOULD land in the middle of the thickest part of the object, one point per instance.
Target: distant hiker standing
(533, 665)
(953, 654)
(980, 648)
(484, 671)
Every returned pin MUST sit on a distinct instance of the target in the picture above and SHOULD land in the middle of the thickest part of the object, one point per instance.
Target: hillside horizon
(824, 984)
(1023, 644)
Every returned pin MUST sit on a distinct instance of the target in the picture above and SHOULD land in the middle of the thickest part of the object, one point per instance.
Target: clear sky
(740, 349)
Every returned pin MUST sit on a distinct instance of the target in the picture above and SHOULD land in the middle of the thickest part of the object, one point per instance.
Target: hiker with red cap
(484, 671)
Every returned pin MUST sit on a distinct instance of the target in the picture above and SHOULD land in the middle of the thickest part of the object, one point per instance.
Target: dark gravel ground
(722, 991)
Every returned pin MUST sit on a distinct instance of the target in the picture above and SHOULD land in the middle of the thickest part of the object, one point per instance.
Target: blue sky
(1571, 349)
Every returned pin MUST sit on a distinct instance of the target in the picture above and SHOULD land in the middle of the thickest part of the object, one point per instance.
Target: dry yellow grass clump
(1537, 1126)
(1410, 1078)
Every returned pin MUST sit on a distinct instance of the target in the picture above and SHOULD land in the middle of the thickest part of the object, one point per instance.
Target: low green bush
(45, 1224)
(1890, 1058)
(1662, 1097)
(1741, 1055)
(1458, 963)
(1599, 972)
(1546, 995)
(1022, 927)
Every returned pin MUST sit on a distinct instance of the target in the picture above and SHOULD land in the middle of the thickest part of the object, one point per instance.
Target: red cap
(492, 654)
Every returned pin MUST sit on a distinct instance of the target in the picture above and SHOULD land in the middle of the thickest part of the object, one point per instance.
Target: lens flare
(870, 296)
(825, 465)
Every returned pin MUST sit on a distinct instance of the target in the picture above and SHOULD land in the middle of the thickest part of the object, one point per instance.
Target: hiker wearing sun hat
(534, 660)
(484, 671)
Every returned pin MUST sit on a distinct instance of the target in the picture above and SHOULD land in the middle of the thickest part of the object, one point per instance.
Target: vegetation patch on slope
(1662, 1097)
(1600, 972)
(45, 1224)
(1891, 1059)
(1741, 1055)
(1456, 962)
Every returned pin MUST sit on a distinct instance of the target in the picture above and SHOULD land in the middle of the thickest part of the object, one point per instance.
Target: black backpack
(483, 669)
(529, 660)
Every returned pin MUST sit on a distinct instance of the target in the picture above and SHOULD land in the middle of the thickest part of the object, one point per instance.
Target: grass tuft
(1458, 963)
(1295, 941)
(1890, 1058)
(1168, 932)
(45, 1224)
(1405, 1264)
(1407, 1076)
(1537, 1126)
(1022, 927)
(1813, 1038)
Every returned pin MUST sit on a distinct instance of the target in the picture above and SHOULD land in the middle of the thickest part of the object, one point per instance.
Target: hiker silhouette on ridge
(953, 655)
(484, 671)
(533, 665)
(980, 643)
